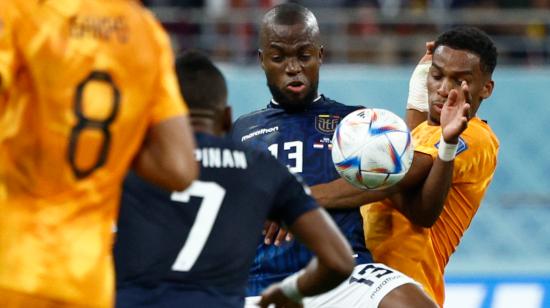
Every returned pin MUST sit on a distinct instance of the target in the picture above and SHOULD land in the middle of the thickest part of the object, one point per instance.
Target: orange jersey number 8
(86, 123)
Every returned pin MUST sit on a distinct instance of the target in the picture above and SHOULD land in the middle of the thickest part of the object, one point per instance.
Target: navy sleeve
(292, 201)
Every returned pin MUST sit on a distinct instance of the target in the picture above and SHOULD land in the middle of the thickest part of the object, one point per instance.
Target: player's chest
(299, 141)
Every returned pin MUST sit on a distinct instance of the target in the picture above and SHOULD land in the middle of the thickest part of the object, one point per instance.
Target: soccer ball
(372, 148)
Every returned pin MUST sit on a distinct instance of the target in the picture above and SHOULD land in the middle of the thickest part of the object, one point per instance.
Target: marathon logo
(259, 132)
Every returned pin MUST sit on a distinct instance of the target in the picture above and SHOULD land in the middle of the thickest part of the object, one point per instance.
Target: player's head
(291, 54)
(463, 53)
(204, 89)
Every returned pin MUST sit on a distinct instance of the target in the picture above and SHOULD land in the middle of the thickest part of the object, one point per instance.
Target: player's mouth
(296, 87)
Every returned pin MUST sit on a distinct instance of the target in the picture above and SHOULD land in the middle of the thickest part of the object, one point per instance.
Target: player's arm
(417, 100)
(166, 157)
(332, 265)
(339, 194)
(167, 154)
(423, 191)
(420, 195)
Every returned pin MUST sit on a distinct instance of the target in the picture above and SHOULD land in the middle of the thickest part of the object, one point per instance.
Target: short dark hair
(201, 83)
(288, 13)
(473, 40)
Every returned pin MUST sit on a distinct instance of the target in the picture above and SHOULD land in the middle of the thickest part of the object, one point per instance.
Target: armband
(289, 286)
(446, 151)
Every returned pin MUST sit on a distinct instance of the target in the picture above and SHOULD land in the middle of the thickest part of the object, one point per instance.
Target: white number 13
(297, 154)
(212, 196)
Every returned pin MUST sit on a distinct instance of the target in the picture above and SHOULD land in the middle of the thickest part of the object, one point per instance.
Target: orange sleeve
(425, 137)
(8, 60)
(168, 101)
(429, 149)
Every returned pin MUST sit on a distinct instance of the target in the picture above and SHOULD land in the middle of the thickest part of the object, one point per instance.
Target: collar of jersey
(274, 104)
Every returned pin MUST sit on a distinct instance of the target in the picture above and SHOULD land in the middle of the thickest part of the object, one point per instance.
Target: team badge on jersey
(326, 123)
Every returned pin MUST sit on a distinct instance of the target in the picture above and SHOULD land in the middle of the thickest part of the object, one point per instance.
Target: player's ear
(261, 58)
(321, 53)
(227, 121)
(487, 89)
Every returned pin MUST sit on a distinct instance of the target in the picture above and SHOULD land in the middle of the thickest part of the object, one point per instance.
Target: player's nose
(444, 87)
(293, 66)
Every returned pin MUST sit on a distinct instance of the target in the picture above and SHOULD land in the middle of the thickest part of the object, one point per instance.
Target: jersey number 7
(212, 195)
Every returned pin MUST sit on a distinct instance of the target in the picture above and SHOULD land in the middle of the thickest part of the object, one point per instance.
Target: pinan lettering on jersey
(221, 158)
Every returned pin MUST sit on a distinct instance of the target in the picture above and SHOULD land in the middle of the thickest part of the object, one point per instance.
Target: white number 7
(212, 196)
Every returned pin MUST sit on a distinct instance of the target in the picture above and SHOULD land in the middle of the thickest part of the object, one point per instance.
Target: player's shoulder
(480, 135)
(333, 105)
(254, 115)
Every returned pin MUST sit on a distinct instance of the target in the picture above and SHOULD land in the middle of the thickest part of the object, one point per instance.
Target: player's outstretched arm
(424, 189)
(332, 265)
(339, 194)
(166, 157)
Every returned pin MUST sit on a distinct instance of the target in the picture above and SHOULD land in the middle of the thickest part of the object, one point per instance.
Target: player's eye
(436, 75)
(304, 57)
(277, 58)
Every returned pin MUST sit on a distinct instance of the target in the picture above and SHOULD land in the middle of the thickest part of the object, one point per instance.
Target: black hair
(201, 83)
(473, 40)
(288, 14)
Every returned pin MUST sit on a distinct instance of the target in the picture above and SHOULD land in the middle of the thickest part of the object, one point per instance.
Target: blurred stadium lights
(364, 35)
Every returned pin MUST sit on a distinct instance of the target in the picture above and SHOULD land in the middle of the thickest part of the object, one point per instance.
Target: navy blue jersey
(204, 238)
(301, 141)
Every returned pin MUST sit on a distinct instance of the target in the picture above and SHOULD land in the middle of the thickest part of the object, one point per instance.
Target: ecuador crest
(326, 123)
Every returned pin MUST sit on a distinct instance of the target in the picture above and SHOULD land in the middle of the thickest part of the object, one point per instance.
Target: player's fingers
(452, 98)
(270, 233)
(266, 226)
(280, 236)
(289, 237)
(430, 47)
(263, 303)
(466, 110)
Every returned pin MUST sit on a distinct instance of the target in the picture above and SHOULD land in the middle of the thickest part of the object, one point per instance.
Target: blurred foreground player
(77, 104)
(195, 248)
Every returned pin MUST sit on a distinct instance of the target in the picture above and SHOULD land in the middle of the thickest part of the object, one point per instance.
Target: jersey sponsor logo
(462, 146)
(326, 123)
(260, 132)
(104, 28)
(221, 158)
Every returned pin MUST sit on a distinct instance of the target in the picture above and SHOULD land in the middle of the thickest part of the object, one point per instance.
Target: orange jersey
(423, 253)
(80, 83)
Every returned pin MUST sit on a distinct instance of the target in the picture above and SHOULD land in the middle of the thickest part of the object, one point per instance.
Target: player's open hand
(455, 113)
(275, 234)
(274, 297)
(427, 58)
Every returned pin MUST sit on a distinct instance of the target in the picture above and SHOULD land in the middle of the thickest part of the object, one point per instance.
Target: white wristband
(446, 152)
(418, 88)
(289, 286)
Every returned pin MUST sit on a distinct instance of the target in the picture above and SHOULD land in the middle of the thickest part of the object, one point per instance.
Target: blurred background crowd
(358, 31)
